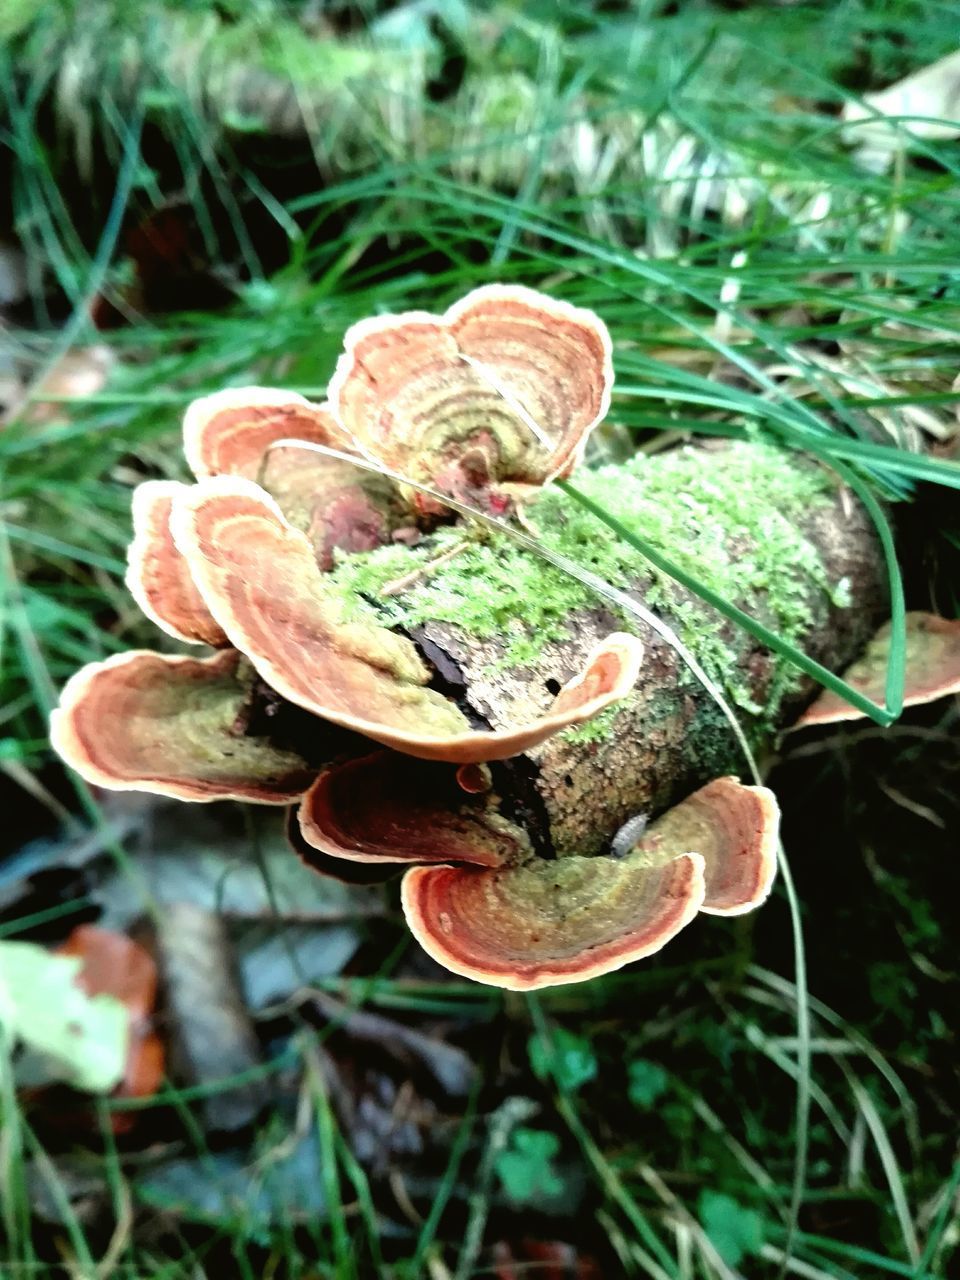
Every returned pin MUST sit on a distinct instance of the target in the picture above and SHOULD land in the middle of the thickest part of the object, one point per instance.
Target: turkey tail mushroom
(165, 724)
(228, 432)
(932, 670)
(546, 923)
(260, 580)
(158, 576)
(504, 387)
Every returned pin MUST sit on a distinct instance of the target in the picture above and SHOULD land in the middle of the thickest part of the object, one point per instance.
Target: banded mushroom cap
(500, 391)
(932, 670)
(158, 577)
(386, 807)
(484, 905)
(548, 923)
(503, 388)
(229, 432)
(172, 726)
(329, 655)
(735, 829)
(259, 433)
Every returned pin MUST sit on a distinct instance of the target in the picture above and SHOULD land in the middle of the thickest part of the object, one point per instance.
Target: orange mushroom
(259, 578)
(229, 432)
(544, 923)
(735, 830)
(499, 393)
(504, 915)
(158, 577)
(504, 387)
(388, 807)
(337, 505)
(344, 869)
(932, 670)
(144, 721)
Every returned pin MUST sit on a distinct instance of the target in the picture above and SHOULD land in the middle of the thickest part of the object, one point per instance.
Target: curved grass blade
(881, 715)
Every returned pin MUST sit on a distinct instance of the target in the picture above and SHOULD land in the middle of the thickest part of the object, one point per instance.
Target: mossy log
(504, 629)
(529, 715)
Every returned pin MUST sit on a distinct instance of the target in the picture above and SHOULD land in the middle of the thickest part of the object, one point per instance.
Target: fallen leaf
(234, 1187)
(932, 93)
(212, 1038)
(81, 1039)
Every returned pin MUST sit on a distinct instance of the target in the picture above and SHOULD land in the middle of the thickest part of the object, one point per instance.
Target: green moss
(285, 51)
(732, 518)
(598, 729)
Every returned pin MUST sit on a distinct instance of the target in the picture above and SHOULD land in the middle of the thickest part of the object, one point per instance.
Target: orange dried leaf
(115, 965)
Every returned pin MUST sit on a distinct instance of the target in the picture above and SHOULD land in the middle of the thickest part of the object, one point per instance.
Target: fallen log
(505, 630)
(531, 735)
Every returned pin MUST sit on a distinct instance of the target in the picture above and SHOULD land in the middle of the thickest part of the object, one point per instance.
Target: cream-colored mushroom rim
(375, 326)
(202, 453)
(264, 774)
(429, 922)
(764, 855)
(932, 670)
(178, 608)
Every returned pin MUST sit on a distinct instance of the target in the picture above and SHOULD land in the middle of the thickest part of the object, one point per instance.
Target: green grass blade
(880, 715)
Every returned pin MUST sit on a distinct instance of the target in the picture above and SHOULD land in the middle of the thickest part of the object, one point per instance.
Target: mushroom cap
(512, 919)
(158, 576)
(546, 923)
(228, 432)
(932, 670)
(735, 829)
(387, 807)
(338, 506)
(346, 870)
(505, 386)
(260, 581)
(143, 721)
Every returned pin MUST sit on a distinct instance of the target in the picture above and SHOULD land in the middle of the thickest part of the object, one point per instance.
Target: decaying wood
(668, 737)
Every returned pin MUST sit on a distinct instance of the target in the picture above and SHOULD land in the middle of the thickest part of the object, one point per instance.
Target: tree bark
(668, 737)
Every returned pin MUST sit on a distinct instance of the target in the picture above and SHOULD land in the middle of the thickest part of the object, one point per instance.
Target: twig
(453, 1070)
(399, 585)
(499, 1128)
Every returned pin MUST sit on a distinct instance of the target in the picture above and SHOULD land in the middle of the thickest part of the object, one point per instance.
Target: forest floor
(772, 1095)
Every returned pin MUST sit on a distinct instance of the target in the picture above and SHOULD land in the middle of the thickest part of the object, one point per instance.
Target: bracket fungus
(157, 574)
(446, 705)
(932, 669)
(503, 388)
